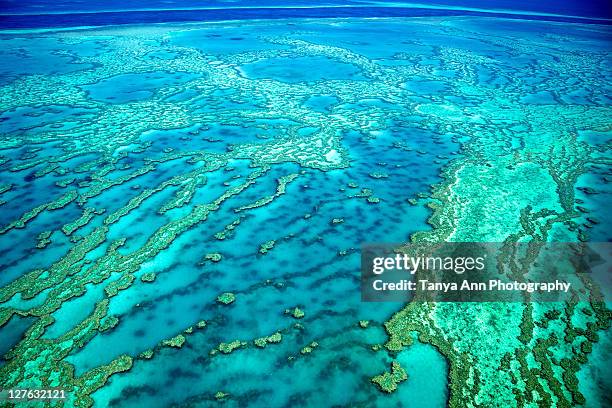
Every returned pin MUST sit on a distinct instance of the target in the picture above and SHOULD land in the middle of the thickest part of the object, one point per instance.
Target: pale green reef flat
(182, 207)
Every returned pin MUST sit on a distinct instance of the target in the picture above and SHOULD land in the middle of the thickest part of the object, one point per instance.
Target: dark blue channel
(63, 20)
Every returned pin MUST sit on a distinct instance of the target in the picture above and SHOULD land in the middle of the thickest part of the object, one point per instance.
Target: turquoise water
(135, 87)
(316, 135)
(294, 70)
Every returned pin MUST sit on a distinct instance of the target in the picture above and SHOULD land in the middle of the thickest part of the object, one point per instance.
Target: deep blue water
(42, 13)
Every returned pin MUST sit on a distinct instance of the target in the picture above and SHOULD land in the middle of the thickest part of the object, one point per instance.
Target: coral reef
(388, 381)
(486, 137)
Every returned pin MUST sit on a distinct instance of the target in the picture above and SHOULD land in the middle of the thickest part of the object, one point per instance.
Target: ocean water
(148, 168)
